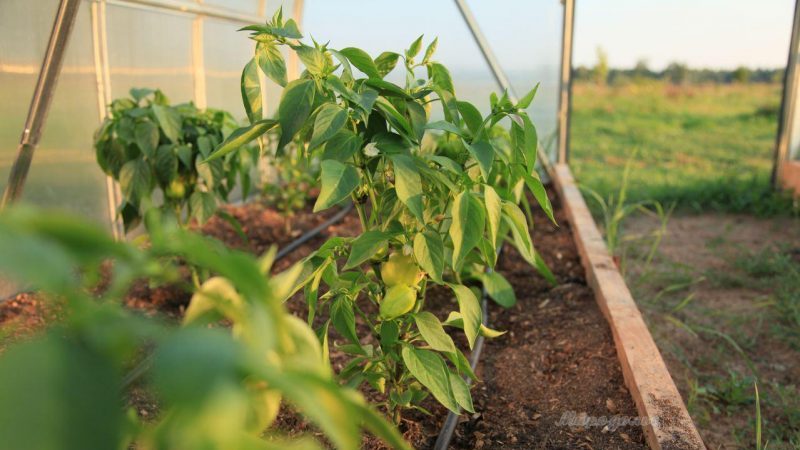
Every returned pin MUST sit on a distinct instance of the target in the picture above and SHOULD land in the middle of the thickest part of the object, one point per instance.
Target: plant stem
(362, 217)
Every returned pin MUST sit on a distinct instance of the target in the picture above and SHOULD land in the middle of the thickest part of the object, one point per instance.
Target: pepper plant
(290, 179)
(430, 213)
(217, 388)
(155, 151)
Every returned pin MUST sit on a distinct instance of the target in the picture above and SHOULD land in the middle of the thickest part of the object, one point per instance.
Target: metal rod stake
(42, 97)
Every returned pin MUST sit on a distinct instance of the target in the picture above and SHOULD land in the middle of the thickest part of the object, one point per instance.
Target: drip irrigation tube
(449, 426)
(145, 364)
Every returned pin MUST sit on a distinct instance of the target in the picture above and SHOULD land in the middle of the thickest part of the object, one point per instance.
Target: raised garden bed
(558, 364)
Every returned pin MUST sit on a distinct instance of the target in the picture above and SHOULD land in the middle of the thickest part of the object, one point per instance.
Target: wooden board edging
(668, 426)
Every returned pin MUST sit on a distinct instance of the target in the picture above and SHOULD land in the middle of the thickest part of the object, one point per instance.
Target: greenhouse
(233, 224)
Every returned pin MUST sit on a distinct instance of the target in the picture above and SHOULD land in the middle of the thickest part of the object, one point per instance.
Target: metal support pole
(198, 64)
(42, 97)
(486, 50)
(791, 82)
(565, 83)
(102, 80)
(494, 65)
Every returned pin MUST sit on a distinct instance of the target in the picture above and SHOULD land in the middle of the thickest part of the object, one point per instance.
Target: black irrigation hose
(449, 426)
(145, 364)
(292, 246)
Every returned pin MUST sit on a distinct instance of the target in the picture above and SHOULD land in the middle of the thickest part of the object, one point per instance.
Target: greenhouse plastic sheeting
(346, 23)
(150, 48)
(146, 46)
(63, 173)
(526, 37)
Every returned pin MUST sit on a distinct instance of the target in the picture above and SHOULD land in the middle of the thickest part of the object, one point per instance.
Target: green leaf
(430, 370)
(203, 205)
(470, 310)
(362, 61)
(408, 184)
(519, 229)
(136, 180)
(433, 332)
(494, 211)
(430, 50)
(417, 117)
(388, 89)
(499, 289)
(414, 49)
(165, 164)
(395, 119)
(59, 394)
(251, 91)
(429, 252)
(139, 93)
(211, 172)
(399, 299)
(330, 119)
(338, 181)
(471, 115)
(344, 319)
(441, 77)
(365, 247)
(240, 138)
(287, 30)
(467, 227)
(312, 58)
(531, 142)
(185, 155)
(483, 152)
(170, 122)
(386, 62)
(461, 362)
(461, 392)
(445, 126)
(525, 101)
(342, 146)
(147, 138)
(535, 185)
(295, 107)
(270, 60)
(545, 271)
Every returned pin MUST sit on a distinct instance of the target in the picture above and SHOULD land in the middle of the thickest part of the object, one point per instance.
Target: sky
(700, 33)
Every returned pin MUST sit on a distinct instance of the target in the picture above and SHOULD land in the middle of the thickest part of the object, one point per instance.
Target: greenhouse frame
(67, 64)
(99, 66)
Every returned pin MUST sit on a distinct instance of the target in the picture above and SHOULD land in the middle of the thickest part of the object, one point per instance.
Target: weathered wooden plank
(646, 375)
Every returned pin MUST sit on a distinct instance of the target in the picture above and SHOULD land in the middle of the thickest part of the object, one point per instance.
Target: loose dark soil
(556, 358)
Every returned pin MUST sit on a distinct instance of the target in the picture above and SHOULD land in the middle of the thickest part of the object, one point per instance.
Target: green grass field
(720, 291)
(705, 147)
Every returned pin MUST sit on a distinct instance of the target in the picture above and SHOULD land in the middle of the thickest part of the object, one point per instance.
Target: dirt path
(722, 298)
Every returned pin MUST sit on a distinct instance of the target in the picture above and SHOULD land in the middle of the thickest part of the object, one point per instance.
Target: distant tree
(641, 70)
(676, 73)
(600, 70)
(582, 73)
(741, 75)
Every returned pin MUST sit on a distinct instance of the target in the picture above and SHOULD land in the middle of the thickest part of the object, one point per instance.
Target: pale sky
(701, 33)
(526, 33)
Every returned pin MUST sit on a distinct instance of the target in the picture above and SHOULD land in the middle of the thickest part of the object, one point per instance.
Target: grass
(727, 315)
(704, 147)
(723, 351)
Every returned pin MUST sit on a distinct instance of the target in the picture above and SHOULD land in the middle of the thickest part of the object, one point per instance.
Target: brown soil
(556, 358)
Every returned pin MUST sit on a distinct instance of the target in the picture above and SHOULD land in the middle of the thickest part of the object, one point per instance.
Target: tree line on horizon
(675, 73)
